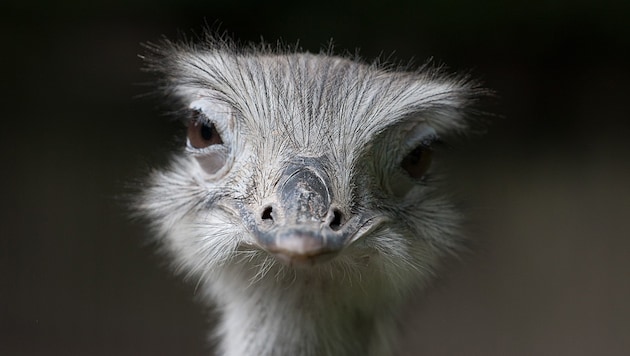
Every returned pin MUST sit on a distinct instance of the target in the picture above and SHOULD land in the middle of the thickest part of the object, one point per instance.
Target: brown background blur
(547, 186)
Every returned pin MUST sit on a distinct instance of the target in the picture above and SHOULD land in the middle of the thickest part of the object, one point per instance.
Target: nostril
(337, 220)
(267, 214)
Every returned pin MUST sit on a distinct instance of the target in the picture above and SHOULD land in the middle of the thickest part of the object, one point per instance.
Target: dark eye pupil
(207, 131)
(415, 156)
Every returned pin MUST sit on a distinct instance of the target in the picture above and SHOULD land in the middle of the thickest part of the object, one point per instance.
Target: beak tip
(293, 259)
(300, 248)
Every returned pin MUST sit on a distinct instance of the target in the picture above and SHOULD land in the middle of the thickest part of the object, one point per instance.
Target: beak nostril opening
(267, 214)
(337, 220)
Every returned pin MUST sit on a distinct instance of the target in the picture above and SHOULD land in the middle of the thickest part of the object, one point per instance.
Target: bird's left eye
(202, 133)
(417, 162)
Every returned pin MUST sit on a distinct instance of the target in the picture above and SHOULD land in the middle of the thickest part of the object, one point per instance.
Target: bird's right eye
(201, 132)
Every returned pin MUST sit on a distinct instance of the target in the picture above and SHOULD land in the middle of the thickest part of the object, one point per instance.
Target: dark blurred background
(547, 185)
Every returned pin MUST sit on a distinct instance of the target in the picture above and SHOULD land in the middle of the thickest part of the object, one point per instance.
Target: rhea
(303, 201)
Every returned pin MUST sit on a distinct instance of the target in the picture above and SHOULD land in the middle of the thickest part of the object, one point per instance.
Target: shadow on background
(547, 185)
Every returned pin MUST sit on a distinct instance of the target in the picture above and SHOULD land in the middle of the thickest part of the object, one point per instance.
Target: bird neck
(306, 318)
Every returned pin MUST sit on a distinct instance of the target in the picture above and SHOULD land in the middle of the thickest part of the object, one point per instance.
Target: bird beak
(300, 227)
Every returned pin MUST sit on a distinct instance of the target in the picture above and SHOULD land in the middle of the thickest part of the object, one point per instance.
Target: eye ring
(201, 132)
